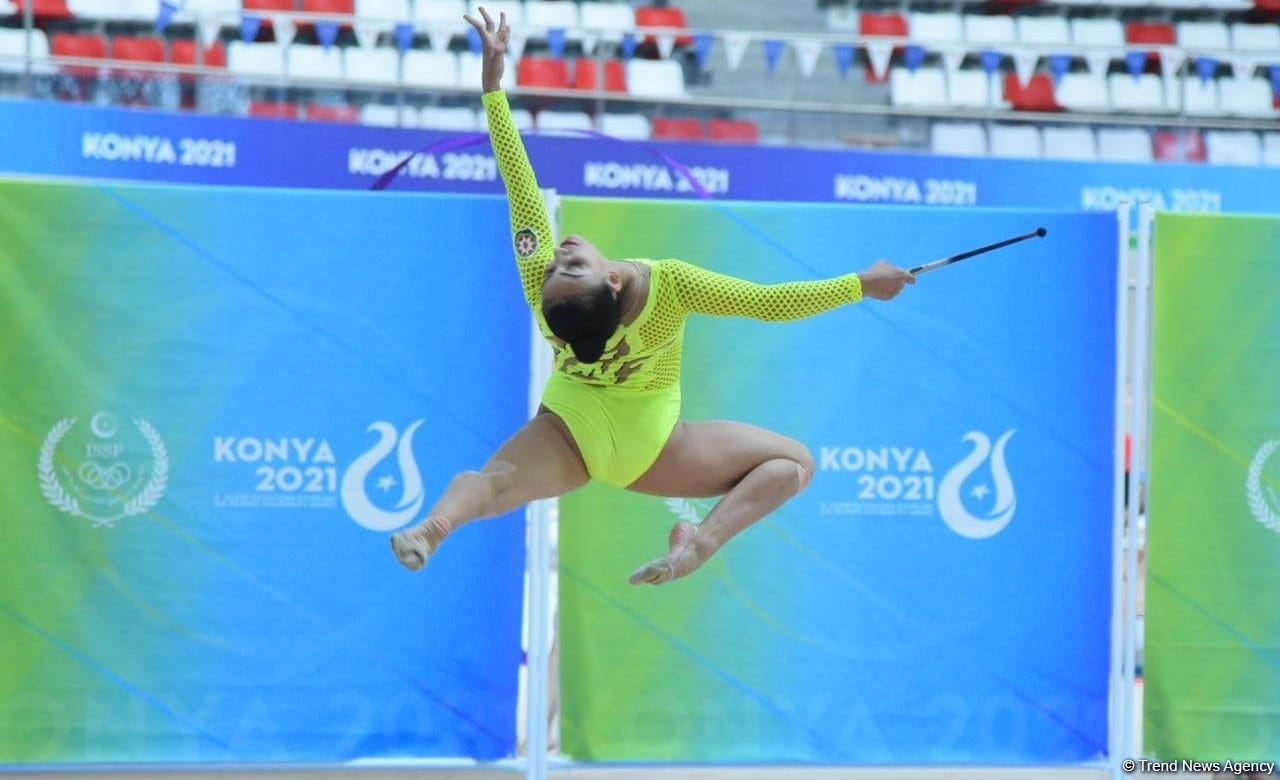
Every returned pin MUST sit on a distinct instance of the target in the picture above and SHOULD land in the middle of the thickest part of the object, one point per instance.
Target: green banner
(1212, 677)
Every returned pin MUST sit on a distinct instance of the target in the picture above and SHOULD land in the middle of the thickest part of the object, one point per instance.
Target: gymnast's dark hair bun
(586, 321)
(588, 349)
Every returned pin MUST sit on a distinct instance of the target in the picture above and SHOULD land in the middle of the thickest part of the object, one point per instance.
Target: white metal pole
(1116, 698)
(1138, 467)
(538, 515)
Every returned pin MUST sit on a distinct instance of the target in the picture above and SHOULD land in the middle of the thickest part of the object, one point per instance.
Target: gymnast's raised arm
(530, 227)
(706, 292)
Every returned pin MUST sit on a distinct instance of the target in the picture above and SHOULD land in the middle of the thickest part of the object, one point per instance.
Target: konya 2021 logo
(381, 489)
(105, 470)
(1259, 488)
(976, 497)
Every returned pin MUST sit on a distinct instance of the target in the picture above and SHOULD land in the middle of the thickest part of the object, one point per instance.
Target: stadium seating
(1233, 147)
(1271, 148)
(740, 131)
(958, 138)
(543, 72)
(13, 47)
(273, 110)
(1124, 144)
(314, 63)
(457, 118)
(371, 66)
(629, 127)
(81, 47)
(255, 60)
(1142, 94)
(926, 87)
(563, 120)
(183, 52)
(677, 129)
(586, 75)
(431, 69)
(1015, 141)
(330, 113)
(1070, 143)
(655, 78)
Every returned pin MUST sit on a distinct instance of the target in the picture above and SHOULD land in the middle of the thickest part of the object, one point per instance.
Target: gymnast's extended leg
(539, 461)
(755, 471)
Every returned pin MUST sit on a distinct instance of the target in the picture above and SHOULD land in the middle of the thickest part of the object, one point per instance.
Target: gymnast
(611, 409)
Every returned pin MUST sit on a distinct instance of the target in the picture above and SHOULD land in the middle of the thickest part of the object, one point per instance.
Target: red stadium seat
(670, 128)
(1179, 146)
(1037, 95)
(45, 9)
(739, 131)
(663, 17)
(546, 72)
(586, 77)
(889, 25)
(268, 5)
(323, 113)
(137, 49)
(1154, 33)
(82, 46)
(273, 110)
(183, 52)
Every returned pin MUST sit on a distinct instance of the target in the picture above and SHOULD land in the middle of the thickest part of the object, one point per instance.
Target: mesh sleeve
(530, 227)
(706, 292)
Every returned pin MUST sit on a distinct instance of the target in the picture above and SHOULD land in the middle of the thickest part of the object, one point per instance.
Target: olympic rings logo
(110, 478)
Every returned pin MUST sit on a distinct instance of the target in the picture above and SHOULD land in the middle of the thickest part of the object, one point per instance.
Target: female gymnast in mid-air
(611, 409)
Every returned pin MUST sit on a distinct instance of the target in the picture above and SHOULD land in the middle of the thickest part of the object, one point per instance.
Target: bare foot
(413, 546)
(682, 558)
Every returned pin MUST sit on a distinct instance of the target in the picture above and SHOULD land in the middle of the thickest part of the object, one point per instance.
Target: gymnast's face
(577, 268)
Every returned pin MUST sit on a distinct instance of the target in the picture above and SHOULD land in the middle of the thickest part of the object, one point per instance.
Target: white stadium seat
(608, 21)
(1143, 94)
(371, 66)
(470, 68)
(1199, 98)
(563, 120)
(1203, 35)
(440, 15)
(1081, 92)
(255, 59)
(430, 68)
(315, 62)
(989, 30)
(1271, 148)
(958, 138)
(13, 50)
(1044, 31)
(935, 27)
(384, 14)
(543, 14)
(1015, 141)
(1124, 144)
(514, 9)
(629, 127)
(106, 10)
(1255, 37)
(655, 78)
(1097, 32)
(1070, 143)
(389, 116)
(971, 89)
(224, 13)
(1232, 147)
(458, 118)
(1246, 97)
(924, 87)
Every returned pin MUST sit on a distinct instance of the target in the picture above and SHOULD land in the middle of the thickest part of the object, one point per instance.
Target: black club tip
(1041, 232)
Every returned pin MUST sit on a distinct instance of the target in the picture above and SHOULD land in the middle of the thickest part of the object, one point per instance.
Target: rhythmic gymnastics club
(1037, 233)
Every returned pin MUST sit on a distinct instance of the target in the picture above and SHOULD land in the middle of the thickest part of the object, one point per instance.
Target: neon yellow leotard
(621, 409)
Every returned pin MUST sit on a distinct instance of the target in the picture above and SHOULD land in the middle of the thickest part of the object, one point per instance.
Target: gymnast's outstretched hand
(494, 39)
(884, 280)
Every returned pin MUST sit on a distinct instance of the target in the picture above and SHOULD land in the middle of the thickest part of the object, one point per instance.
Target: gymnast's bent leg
(755, 471)
(539, 461)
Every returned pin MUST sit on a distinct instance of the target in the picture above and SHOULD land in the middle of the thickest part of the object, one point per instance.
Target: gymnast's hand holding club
(610, 410)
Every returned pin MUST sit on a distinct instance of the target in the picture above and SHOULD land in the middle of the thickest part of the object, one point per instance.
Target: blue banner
(65, 140)
(941, 593)
(229, 399)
